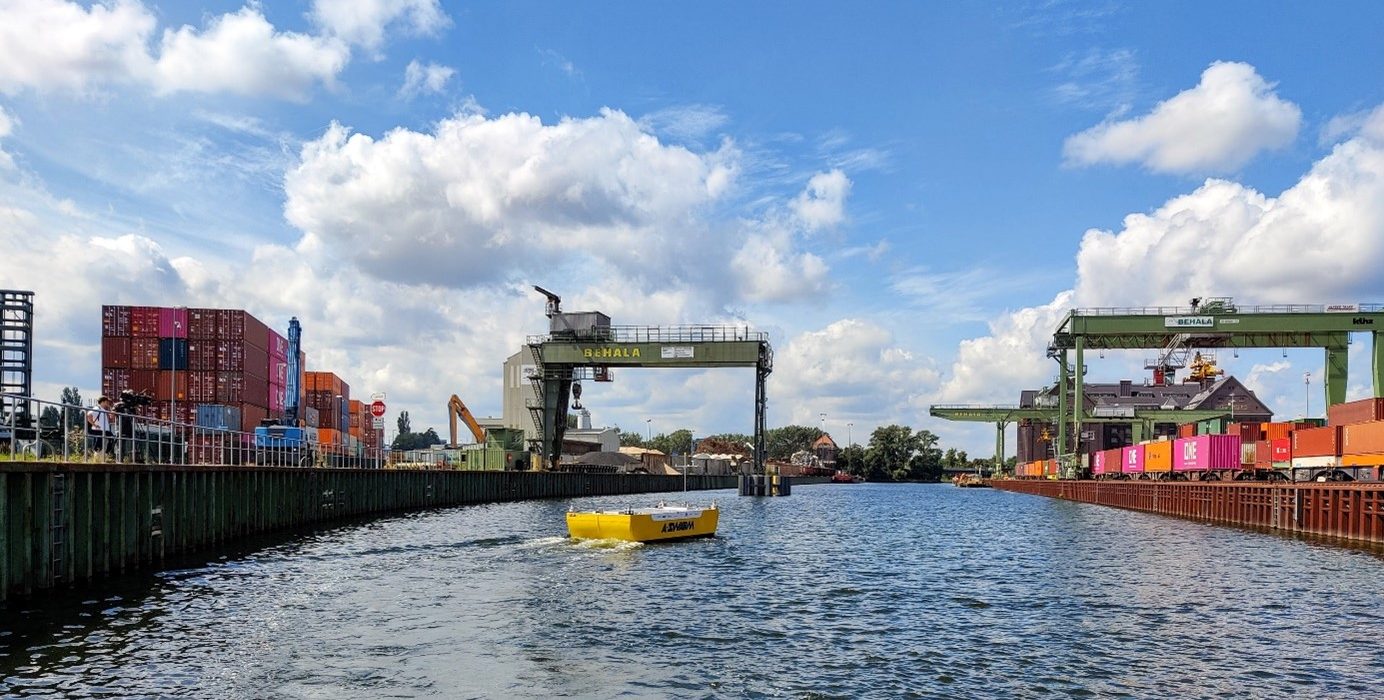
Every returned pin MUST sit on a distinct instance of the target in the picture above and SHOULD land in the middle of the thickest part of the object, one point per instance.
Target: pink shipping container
(1098, 463)
(276, 398)
(278, 346)
(172, 323)
(1204, 452)
(1132, 459)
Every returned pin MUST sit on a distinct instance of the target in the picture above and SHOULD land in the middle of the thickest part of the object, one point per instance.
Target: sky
(906, 196)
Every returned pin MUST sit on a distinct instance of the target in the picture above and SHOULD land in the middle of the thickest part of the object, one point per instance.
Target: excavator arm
(457, 409)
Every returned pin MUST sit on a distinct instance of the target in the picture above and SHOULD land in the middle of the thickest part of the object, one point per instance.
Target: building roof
(824, 441)
(1218, 395)
(639, 451)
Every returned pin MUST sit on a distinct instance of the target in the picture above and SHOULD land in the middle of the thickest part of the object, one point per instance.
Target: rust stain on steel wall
(1352, 511)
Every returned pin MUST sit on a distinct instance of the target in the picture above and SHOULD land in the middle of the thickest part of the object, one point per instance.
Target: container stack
(1362, 432)
(214, 364)
(330, 397)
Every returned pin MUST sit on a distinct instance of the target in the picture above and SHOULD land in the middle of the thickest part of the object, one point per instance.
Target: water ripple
(856, 591)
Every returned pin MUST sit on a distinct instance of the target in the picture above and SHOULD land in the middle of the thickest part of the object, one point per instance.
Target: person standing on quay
(98, 427)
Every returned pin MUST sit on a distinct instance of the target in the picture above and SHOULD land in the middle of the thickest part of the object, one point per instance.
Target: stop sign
(377, 409)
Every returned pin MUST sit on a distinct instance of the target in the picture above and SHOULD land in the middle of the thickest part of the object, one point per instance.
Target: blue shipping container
(173, 353)
(215, 416)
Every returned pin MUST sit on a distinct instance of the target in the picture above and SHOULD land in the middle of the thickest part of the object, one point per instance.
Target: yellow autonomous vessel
(662, 522)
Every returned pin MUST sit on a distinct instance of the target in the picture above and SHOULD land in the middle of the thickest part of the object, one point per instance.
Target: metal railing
(1237, 309)
(139, 439)
(657, 334)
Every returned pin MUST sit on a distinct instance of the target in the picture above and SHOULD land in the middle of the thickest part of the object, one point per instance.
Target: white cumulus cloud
(51, 44)
(365, 22)
(242, 53)
(1229, 117)
(420, 78)
(823, 203)
(1319, 241)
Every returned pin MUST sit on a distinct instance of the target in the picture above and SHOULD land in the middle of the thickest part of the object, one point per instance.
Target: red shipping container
(144, 322)
(256, 361)
(115, 352)
(144, 353)
(1248, 432)
(201, 387)
(251, 416)
(144, 381)
(172, 323)
(115, 321)
(201, 355)
(201, 324)
(255, 332)
(1361, 411)
(1281, 449)
(171, 385)
(255, 392)
(1186, 430)
(187, 412)
(113, 381)
(1263, 454)
(1317, 442)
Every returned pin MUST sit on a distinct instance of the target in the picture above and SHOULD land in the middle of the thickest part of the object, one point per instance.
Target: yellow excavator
(457, 409)
(1203, 370)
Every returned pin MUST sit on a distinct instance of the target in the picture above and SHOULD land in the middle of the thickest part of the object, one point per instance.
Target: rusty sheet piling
(1350, 511)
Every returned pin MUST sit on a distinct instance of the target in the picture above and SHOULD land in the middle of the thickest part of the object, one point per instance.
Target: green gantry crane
(1211, 323)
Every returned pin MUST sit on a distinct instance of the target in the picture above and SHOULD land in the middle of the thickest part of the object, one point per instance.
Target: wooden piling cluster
(1351, 511)
(63, 524)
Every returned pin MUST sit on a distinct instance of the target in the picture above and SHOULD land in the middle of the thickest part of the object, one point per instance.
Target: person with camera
(98, 428)
(125, 412)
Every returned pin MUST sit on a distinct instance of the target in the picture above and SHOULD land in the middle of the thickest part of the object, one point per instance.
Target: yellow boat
(662, 522)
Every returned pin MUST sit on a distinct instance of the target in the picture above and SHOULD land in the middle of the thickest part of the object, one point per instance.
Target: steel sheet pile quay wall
(62, 524)
(1351, 511)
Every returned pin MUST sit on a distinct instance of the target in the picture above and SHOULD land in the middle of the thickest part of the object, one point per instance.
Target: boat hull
(642, 527)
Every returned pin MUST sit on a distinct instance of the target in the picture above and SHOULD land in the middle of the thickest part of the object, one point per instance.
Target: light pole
(173, 376)
(1307, 382)
(849, 441)
(648, 430)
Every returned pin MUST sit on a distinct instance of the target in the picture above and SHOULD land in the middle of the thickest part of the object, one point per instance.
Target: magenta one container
(172, 323)
(1205, 452)
(1132, 459)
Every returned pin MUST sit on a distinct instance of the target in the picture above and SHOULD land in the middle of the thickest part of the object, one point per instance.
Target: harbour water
(837, 591)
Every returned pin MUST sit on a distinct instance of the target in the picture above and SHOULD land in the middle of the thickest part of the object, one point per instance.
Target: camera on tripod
(130, 400)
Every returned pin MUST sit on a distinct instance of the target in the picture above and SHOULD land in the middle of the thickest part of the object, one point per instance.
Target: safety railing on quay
(1236, 309)
(658, 334)
(37, 430)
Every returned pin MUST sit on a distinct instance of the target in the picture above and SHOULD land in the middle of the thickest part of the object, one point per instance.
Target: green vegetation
(409, 440)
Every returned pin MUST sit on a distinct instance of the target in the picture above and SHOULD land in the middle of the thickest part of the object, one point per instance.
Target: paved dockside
(1350, 511)
(64, 524)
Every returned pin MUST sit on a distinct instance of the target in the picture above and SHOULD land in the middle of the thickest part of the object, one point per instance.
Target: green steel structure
(1142, 419)
(1217, 323)
(560, 358)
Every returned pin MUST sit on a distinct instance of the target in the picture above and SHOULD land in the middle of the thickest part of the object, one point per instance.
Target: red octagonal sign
(377, 409)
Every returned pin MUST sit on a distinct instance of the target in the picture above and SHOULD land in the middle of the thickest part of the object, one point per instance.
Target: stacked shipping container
(215, 364)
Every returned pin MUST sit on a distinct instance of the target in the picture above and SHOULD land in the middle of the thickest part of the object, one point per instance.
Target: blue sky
(900, 192)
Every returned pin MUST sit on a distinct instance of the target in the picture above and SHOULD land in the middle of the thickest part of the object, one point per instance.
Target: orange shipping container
(1363, 438)
(171, 385)
(1362, 460)
(1186, 430)
(328, 437)
(1277, 431)
(1158, 456)
(1317, 442)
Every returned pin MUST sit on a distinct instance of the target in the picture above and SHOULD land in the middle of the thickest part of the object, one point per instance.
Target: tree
(851, 460)
(72, 398)
(926, 463)
(891, 448)
(630, 439)
(781, 443)
(50, 417)
(405, 427)
(679, 441)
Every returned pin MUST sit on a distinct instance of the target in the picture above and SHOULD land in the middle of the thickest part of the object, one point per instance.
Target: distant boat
(845, 478)
(661, 522)
(970, 481)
